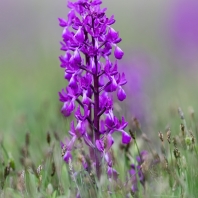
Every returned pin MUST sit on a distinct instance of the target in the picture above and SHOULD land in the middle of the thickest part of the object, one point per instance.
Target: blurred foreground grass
(29, 103)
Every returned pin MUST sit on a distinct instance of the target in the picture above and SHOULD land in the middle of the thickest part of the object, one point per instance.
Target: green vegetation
(32, 128)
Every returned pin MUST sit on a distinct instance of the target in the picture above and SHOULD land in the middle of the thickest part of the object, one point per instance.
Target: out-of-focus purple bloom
(112, 173)
(87, 39)
(139, 71)
(183, 28)
(143, 156)
(67, 156)
(134, 180)
(78, 195)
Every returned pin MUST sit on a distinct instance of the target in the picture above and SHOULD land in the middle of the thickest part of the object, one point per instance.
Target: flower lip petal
(79, 35)
(66, 34)
(62, 22)
(118, 53)
(67, 156)
(77, 57)
(112, 34)
(111, 20)
(126, 138)
(118, 40)
(112, 173)
(121, 94)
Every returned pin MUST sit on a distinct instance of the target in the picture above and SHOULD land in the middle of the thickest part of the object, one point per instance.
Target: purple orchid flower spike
(87, 39)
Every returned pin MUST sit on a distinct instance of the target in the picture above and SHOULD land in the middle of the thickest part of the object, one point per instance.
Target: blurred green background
(30, 76)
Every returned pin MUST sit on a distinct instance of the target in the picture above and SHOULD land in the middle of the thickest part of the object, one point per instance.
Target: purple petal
(67, 156)
(72, 128)
(78, 195)
(144, 155)
(80, 128)
(102, 126)
(67, 76)
(63, 46)
(62, 22)
(65, 59)
(134, 187)
(66, 34)
(100, 145)
(71, 143)
(126, 138)
(78, 114)
(139, 160)
(108, 158)
(112, 34)
(67, 108)
(73, 83)
(123, 123)
(77, 57)
(85, 100)
(121, 94)
(93, 66)
(101, 81)
(112, 86)
(111, 20)
(109, 142)
(122, 80)
(118, 40)
(110, 121)
(118, 53)
(112, 173)
(80, 35)
(70, 15)
(114, 71)
(63, 97)
(96, 2)
(132, 171)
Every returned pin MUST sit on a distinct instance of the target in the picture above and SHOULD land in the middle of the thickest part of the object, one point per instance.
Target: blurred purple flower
(183, 28)
(139, 70)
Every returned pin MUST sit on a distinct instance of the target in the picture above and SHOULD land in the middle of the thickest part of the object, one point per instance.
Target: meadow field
(160, 62)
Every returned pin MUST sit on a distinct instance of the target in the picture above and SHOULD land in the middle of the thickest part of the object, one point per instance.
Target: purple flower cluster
(88, 42)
